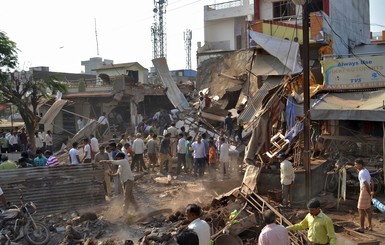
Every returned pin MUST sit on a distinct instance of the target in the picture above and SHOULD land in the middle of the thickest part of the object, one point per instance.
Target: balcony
(290, 28)
(231, 9)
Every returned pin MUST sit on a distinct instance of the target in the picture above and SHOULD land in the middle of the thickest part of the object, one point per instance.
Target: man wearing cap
(320, 227)
(287, 179)
(138, 148)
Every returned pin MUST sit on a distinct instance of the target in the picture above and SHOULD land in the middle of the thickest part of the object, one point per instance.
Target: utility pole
(306, 92)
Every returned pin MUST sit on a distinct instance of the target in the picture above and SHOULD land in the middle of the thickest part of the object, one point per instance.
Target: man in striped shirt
(51, 159)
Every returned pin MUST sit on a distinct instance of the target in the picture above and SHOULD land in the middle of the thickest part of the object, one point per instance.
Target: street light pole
(306, 92)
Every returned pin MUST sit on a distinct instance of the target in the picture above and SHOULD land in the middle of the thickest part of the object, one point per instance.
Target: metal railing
(225, 5)
(257, 202)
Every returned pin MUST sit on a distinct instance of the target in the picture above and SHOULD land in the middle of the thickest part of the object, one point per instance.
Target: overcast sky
(60, 34)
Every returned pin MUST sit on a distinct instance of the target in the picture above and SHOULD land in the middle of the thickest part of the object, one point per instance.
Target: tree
(21, 89)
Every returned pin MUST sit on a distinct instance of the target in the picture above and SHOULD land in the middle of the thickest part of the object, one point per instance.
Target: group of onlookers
(18, 141)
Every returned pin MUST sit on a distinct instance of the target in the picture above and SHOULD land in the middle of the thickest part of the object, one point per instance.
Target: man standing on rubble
(320, 227)
(199, 156)
(100, 156)
(127, 179)
(224, 156)
(165, 153)
(193, 214)
(272, 233)
(94, 146)
(173, 131)
(287, 179)
(229, 125)
(138, 148)
(181, 149)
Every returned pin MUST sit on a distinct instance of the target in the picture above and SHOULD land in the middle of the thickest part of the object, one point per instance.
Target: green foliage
(21, 88)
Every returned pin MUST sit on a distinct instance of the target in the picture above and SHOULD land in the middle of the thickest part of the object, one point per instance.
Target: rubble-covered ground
(161, 215)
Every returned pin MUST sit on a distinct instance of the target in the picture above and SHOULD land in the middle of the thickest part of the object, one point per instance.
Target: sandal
(368, 228)
(358, 230)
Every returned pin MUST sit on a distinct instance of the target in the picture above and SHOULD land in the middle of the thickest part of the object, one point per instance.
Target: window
(283, 8)
(133, 76)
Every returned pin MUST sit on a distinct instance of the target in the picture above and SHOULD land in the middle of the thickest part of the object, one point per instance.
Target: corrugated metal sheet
(54, 189)
(255, 103)
(173, 93)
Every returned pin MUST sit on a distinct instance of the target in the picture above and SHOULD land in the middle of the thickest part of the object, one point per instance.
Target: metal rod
(306, 105)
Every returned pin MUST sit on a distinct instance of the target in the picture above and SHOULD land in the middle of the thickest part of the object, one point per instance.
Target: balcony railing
(290, 27)
(225, 5)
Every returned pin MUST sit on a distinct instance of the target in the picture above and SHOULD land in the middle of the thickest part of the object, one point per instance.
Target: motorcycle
(352, 182)
(17, 223)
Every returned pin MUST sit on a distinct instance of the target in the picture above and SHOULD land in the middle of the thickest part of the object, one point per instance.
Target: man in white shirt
(366, 195)
(94, 146)
(126, 177)
(14, 142)
(138, 148)
(199, 155)
(181, 149)
(80, 122)
(86, 151)
(193, 213)
(224, 155)
(273, 233)
(74, 154)
(287, 179)
(103, 123)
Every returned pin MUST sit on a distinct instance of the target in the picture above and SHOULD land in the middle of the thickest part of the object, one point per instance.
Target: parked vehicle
(352, 183)
(17, 223)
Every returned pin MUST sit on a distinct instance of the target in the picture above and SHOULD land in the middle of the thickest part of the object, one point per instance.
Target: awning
(361, 106)
(52, 112)
(287, 52)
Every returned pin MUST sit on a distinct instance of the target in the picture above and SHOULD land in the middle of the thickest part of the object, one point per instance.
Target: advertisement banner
(354, 73)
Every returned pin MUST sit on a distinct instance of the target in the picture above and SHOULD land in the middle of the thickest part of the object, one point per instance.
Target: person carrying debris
(193, 214)
(287, 179)
(321, 229)
(272, 233)
(127, 179)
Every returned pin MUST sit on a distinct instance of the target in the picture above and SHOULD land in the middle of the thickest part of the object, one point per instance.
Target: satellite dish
(155, 10)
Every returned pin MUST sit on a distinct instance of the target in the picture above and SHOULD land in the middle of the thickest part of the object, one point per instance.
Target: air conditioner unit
(299, 2)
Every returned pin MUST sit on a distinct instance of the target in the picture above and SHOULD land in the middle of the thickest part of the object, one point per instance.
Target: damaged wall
(231, 64)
